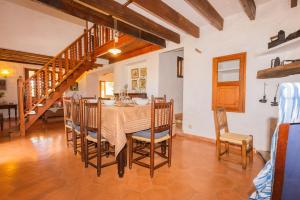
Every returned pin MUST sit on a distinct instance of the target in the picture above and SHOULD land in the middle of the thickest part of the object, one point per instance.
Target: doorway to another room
(171, 81)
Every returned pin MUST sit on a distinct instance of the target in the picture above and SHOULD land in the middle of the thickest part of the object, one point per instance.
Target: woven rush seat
(235, 138)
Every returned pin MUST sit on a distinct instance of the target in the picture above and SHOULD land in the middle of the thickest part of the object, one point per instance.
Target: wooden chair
(245, 142)
(77, 132)
(67, 104)
(93, 137)
(160, 131)
(159, 99)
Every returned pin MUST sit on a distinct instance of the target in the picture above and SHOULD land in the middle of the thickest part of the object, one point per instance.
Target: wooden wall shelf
(286, 46)
(280, 71)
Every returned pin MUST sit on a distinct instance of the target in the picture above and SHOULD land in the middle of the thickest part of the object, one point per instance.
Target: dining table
(119, 120)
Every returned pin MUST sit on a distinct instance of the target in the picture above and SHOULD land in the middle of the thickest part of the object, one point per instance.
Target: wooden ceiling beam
(294, 3)
(133, 18)
(127, 3)
(23, 57)
(168, 14)
(134, 53)
(77, 10)
(250, 8)
(208, 11)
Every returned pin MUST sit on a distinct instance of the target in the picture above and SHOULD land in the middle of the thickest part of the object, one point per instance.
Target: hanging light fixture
(114, 50)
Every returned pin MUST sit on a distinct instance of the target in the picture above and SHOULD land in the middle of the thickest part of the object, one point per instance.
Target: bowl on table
(109, 102)
(140, 101)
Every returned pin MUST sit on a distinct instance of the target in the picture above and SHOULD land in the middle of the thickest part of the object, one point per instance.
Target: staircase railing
(39, 86)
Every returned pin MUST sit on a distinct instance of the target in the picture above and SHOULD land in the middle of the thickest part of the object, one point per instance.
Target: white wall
(33, 27)
(169, 84)
(16, 70)
(122, 72)
(239, 34)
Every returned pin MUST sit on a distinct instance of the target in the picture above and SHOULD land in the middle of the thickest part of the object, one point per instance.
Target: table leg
(121, 159)
(9, 113)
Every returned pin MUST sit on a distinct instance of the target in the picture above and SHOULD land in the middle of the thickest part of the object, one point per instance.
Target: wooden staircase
(40, 91)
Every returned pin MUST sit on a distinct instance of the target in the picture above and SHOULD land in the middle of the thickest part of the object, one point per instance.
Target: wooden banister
(40, 86)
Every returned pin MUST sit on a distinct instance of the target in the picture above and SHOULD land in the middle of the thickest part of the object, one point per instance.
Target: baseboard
(196, 138)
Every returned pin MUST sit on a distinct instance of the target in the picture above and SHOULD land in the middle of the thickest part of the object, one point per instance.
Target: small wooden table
(8, 107)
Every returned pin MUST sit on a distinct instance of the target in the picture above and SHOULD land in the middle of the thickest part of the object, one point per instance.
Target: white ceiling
(225, 8)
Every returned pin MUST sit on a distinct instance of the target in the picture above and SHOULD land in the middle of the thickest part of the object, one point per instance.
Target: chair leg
(130, 141)
(82, 146)
(151, 160)
(99, 156)
(106, 149)
(218, 145)
(169, 152)
(227, 148)
(244, 154)
(86, 153)
(67, 135)
(251, 151)
(74, 136)
(164, 147)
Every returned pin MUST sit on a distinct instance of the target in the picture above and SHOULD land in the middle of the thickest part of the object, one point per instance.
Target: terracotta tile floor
(41, 166)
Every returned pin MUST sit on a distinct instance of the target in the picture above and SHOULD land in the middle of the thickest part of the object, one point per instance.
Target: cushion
(235, 138)
(76, 128)
(145, 136)
(92, 136)
(69, 123)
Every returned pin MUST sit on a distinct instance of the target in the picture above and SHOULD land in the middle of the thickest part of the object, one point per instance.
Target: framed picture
(2, 84)
(134, 84)
(135, 73)
(180, 67)
(143, 72)
(143, 83)
(74, 87)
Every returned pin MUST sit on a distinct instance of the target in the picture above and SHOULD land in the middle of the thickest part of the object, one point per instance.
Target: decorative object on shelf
(293, 35)
(285, 62)
(74, 87)
(275, 102)
(275, 62)
(277, 39)
(264, 99)
(280, 38)
(179, 67)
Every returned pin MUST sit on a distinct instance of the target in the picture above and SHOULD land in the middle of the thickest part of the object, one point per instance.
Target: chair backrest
(76, 111)
(159, 99)
(67, 103)
(92, 117)
(220, 119)
(287, 163)
(161, 117)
